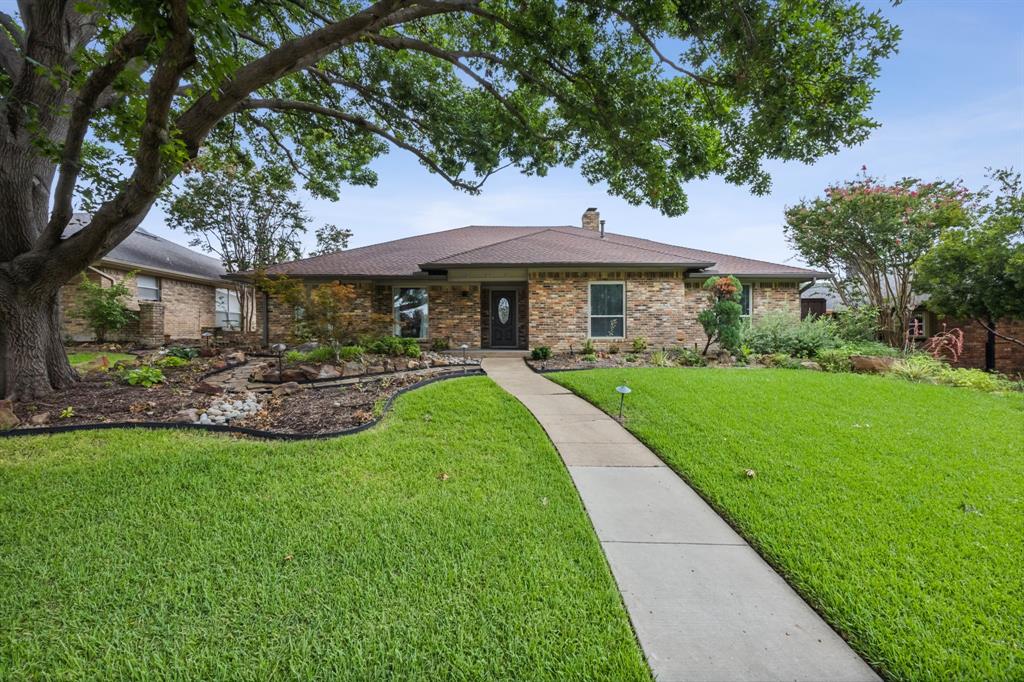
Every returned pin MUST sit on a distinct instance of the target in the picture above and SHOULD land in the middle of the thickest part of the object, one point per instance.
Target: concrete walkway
(705, 606)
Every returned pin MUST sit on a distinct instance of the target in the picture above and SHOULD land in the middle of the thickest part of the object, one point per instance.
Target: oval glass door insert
(503, 310)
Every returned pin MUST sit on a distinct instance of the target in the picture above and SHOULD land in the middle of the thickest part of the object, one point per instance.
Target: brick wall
(1009, 356)
(188, 306)
(369, 299)
(454, 314)
(659, 307)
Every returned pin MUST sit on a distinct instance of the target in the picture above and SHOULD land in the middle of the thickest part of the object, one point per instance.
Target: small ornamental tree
(103, 308)
(867, 235)
(977, 272)
(721, 320)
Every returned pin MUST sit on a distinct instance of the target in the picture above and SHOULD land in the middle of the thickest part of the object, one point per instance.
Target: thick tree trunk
(33, 362)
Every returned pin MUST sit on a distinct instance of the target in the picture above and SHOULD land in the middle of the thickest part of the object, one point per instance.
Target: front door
(503, 318)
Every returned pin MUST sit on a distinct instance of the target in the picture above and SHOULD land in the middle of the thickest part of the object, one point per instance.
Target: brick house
(503, 287)
(177, 292)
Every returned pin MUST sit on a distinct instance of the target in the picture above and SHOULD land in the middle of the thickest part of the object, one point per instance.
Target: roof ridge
(634, 246)
(540, 230)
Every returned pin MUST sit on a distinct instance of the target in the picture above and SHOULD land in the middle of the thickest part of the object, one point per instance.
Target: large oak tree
(105, 101)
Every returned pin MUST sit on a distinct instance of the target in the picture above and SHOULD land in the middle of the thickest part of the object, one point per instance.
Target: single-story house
(177, 292)
(981, 349)
(520, 287)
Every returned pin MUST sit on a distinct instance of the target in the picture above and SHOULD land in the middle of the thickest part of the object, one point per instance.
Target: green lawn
(897, 509)
(77, 359)
(447, 543)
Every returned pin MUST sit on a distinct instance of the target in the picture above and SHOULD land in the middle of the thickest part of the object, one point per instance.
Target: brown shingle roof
(482, 246)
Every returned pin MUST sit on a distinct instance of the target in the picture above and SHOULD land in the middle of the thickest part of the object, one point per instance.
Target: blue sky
(950, 104)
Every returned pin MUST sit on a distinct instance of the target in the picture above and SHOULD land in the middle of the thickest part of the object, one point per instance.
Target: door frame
(514, 310)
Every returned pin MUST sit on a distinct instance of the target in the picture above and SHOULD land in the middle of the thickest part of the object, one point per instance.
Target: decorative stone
(352, 369)
(811, 364)
(188, 415)
(328, 372)
(236, 358)
(871, 364)
(308, 371)
(375, 369)
(39, 419)
(286, 389)
(412, 364)
(293, 375)
(207, 388)
(266, 375)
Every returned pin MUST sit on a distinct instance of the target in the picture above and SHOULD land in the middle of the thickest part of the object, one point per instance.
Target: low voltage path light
(623, 391)
(279, 348)
(465, 348)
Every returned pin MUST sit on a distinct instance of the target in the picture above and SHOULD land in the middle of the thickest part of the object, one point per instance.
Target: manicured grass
(447, 543)
(82, 358)
(897, 509)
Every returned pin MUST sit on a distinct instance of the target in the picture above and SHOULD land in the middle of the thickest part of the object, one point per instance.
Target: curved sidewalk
(704, 605)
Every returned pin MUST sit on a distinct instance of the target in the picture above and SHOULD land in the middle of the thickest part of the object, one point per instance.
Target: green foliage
(183, 352)
(142, 376)
(351, 353)
(688, 357)
(413, 350)
(294, 356)
(439, 345)
(924, 368)
(613, 349)
(588, 347)
(68, 412)
(780, 360)
(541, 353)
(660, 358)
(834, 360)
(171, 361)
(857, 323)
(589, 357)
(321, 354)
(103, 308)
(631, 357)
(639, 344)
(392, 345)
(854, 471)
(784, 333)
(977, 271)
(722, 318)
(297, 527)
(867, 236)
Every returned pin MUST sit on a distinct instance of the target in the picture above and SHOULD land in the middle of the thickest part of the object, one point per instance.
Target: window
(227, 310)
(607, 310)
(917, 326)
(148, 287)
(745, 300)
(410, 306)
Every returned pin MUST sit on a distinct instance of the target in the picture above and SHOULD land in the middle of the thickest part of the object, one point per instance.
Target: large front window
(745, 300)
(607, 310)
(227, 310)
(410, 305)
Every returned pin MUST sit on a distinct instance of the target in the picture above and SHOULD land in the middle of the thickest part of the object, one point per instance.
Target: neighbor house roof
(144, 250)
(524, 246)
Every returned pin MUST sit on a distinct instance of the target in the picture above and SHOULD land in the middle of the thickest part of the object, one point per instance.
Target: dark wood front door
(503, 318)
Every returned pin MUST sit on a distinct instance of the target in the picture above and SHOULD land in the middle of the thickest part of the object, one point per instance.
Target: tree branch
(12, 45)
(362, 123)
(992, 330)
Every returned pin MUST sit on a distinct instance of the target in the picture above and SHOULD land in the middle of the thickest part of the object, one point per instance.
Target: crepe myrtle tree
(104, 102)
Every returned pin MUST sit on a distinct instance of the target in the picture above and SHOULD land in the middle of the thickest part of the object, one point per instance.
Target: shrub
(613, 349)
(687, 357)
(171, 361)
(412, 350)
(350, 353)
(183, 352)
(540, 353)
(392, 345)
(103, 308)
(779, 360)
(588, 348)
(660, 358)
(835, 360)
(295, 356)
(924, 368)
(859, 323)
(631, 357)
(639, 344)
(919, 367)
(590, 357)
(142, 376)
(438, 345)
(321, 354)
(781, 333)
(974, 378)
(722, 318)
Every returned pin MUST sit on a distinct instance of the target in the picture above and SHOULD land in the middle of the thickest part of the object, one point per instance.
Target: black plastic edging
(225, 428)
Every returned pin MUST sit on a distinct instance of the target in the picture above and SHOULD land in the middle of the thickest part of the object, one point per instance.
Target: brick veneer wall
(660, 307)
(1009, 356)
(188, 306)
(369, 299)
(453, 313)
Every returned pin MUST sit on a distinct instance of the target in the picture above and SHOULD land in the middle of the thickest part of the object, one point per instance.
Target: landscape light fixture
(622, 391)
(279, 348)
(465, 348)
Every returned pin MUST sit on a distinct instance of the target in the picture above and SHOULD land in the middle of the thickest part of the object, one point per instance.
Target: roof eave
(566, 264)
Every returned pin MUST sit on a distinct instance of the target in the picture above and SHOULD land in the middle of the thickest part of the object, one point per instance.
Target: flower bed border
(241, 430)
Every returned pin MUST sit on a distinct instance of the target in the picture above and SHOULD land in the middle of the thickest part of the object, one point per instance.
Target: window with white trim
(607, 310)
(227, 309)
(746, 299)
(411, 312)
(148, 287)
(917, 325)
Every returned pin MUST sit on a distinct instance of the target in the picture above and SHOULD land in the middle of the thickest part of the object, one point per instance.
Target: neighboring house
(981, 349)
(178, 293)
(523, 287)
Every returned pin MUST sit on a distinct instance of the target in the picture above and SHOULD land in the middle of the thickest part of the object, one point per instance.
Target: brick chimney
(592, 220)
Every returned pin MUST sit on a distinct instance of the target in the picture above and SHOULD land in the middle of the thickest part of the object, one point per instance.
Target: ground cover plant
(79, 358)
(895, 508)
(446, 543)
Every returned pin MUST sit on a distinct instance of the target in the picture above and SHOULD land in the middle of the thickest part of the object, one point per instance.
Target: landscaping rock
(293, 375)
(307, 347)
(8, 420)
(207, 388)
(39, 419)
(308, 371)
(328, 372)
(412, 364)
(810, 364)
(375, 369)
(352, 369)
(187, 416)
(286, 389)
(871, 364)
(236, 358)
